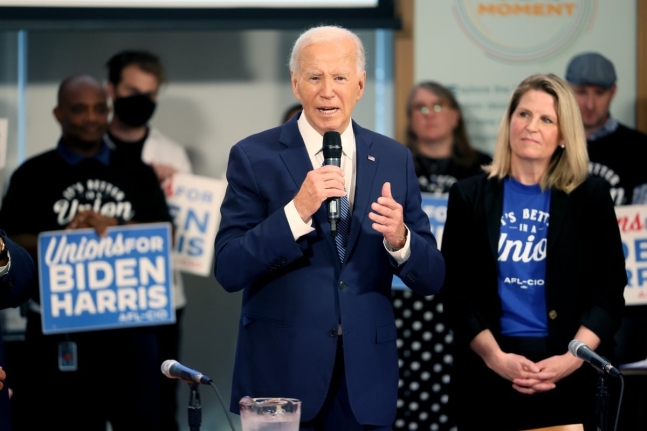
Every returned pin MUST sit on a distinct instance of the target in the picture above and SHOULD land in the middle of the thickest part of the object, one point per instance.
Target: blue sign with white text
(122, 280)
(435, 207)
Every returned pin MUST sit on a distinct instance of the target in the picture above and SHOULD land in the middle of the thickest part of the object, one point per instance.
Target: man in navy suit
(317, 322)
(17, 281)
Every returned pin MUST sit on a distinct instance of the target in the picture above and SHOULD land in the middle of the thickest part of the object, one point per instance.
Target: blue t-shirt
(522, 259)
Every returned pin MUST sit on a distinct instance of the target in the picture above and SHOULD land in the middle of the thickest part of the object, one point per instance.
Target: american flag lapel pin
(371, 158)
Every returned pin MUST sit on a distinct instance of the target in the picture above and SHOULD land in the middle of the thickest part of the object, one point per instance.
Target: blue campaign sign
(121, 280)
(632, 221)
(436, 208)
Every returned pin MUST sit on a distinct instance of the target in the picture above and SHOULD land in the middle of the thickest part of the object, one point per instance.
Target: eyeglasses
(424, 109)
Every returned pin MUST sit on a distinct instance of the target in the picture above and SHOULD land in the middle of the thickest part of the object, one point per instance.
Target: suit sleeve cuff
(403, 254)
(297, 226)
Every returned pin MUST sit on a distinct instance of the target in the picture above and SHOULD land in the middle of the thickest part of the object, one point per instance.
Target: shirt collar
(609, 127)
(72, 158)
(314, 140)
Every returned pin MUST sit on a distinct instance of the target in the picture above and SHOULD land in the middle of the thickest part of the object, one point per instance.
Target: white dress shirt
(314, 145)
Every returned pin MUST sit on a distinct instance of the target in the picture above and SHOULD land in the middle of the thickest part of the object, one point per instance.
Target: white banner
(482, 49)
(194, 203)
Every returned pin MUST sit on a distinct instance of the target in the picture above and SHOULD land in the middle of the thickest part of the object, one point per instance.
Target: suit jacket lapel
(493, 213)
(295, 156)
(364, 177)
(297, 162)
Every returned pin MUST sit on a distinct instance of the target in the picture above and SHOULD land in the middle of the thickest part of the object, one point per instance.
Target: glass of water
(270, 414)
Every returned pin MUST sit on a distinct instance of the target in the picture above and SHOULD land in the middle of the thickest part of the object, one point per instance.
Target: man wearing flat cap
(617, 152)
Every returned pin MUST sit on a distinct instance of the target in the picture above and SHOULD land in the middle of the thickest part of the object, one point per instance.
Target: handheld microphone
(332, 156)
(580, 350)
(174, 370)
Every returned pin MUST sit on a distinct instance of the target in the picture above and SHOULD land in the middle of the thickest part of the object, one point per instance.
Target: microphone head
(332, 145)
(574, 345)
(166, 367)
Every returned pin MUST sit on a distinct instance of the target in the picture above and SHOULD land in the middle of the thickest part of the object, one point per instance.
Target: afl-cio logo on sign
(524, 30)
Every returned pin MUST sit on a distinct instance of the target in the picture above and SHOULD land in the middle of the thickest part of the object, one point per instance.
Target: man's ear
(58, 114)
(362, 85)
(110, 91)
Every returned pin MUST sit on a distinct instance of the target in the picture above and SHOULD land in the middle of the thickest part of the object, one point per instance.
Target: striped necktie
(343, 226)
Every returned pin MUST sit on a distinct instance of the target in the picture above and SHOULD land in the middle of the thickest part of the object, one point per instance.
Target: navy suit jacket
(295, 293)
(15, 288)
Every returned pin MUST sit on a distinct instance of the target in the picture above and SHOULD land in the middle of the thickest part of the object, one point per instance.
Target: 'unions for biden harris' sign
(120, 280)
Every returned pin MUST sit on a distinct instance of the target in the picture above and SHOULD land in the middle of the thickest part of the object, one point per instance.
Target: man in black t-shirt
(617, 153)
(82, 183)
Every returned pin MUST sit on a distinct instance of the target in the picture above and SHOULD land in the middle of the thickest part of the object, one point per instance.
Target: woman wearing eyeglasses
(438, 139)
(442, 155)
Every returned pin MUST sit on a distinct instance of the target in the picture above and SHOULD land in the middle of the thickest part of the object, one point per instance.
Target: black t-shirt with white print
(620, 158)
(46, 192)
(436, 176)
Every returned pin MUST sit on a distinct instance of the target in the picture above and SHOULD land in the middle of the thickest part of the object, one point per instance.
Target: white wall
(473, 62)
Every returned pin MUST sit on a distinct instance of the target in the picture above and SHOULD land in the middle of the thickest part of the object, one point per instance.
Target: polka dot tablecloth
(424, 353)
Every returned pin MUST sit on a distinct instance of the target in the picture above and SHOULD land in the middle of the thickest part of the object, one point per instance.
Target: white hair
(328, 33)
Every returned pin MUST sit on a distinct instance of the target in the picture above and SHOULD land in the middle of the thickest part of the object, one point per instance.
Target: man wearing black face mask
(134, 79)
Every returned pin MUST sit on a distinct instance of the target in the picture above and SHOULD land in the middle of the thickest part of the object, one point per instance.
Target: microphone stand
(195, 408)
(602, 403)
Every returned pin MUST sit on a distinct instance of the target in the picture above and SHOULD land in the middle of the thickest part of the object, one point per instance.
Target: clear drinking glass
(270, 414)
